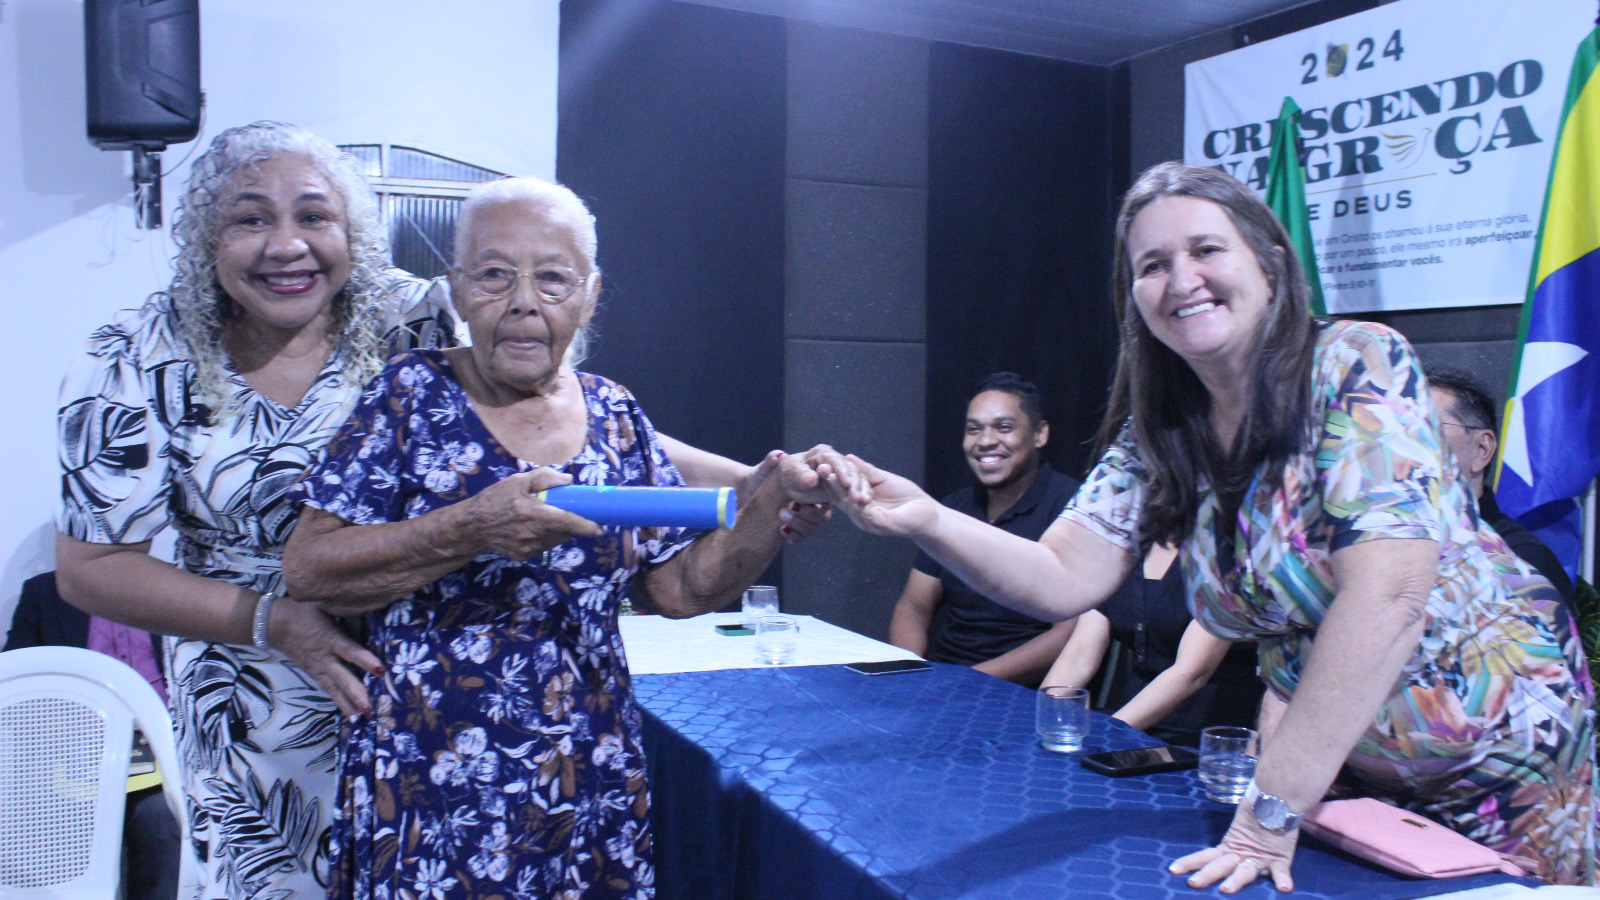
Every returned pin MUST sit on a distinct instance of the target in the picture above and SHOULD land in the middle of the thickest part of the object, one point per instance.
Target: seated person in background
(150, 839)
(937, 615)
(1173, 677)
(1467, 422)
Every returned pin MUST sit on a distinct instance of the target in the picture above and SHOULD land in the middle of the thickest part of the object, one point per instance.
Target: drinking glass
(776, 639)
(759, 600)
(1227, 761)
(1061, 716)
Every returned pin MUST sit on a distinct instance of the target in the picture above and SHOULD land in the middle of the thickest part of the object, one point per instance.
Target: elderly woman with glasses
(503, 753)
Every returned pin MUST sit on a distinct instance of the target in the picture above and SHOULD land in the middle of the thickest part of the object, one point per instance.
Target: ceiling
(1100, 32)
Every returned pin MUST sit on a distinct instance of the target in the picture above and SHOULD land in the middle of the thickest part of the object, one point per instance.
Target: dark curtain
(672, 129)
(1022, 153)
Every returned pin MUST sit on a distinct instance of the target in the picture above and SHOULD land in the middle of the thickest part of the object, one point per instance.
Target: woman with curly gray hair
(198, 411)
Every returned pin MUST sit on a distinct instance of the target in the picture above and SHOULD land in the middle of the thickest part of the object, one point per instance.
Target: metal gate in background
(419, 196)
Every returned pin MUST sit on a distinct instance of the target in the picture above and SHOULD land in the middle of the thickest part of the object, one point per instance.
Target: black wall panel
(672, 129)
(1022, 164)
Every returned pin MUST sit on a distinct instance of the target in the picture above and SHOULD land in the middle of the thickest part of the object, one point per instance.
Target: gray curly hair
(203, 310)
(562, 206)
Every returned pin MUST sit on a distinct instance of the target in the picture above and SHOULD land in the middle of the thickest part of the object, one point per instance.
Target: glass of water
(1228, 761)
(777, 638)
(1061, 716)
(759, 600)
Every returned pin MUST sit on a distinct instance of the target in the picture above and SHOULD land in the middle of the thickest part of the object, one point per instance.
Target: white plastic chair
(66, 727)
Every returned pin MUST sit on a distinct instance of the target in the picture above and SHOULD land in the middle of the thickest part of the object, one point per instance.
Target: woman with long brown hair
(1298, 464)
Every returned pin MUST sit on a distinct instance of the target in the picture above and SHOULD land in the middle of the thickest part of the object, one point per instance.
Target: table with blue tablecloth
(816, 782)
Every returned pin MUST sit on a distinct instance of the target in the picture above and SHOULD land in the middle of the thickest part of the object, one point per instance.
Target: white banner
(1427, 129)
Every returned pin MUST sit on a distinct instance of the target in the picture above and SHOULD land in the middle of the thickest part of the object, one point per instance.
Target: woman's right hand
(314, 641)
(509, 519)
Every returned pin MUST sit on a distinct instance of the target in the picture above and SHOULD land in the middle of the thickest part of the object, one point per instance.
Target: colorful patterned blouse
(1497, 688)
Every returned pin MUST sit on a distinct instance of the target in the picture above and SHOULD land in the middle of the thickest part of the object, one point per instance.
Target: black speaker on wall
(143, 74)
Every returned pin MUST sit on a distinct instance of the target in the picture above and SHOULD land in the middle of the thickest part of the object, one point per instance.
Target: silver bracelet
(263, 612)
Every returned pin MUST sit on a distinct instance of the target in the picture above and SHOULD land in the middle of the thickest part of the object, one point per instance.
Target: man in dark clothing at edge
(1467, 419)
(937, 615)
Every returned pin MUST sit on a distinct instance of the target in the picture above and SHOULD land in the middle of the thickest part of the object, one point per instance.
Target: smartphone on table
(889, 666)
(1141, 761)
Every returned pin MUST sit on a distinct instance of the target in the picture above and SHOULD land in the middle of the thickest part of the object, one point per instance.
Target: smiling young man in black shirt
(937, 615)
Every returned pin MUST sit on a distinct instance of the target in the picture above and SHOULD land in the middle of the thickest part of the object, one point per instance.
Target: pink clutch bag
(1402, 841)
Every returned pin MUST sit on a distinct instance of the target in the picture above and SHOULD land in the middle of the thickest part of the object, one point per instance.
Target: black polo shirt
(969, 628)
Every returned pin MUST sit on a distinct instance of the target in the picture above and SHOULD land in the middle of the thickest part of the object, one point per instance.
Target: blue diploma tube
(647, 507)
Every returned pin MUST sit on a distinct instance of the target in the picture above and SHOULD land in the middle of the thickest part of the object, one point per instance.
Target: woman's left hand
(314, 641)
(1247, 852)
(1372, 627)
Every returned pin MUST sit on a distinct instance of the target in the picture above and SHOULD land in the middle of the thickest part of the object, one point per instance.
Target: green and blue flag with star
(1550, 447)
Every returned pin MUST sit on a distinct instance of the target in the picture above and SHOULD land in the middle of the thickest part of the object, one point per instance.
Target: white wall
(475, 81)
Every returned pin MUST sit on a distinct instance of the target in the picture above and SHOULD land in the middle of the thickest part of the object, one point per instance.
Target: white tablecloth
(657, 645)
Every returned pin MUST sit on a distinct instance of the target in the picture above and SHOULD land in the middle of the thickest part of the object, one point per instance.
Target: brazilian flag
(1550, 438)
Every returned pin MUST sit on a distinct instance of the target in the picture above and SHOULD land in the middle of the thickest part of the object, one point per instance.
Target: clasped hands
(876, 500)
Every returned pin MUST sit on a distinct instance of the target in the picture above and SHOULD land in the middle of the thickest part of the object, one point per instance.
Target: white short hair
(561, 205)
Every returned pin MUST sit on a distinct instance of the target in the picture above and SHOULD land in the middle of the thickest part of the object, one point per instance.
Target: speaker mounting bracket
(147, 185)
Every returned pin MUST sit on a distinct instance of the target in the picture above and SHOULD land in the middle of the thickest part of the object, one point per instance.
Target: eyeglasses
(553, 284)
(1463, 427)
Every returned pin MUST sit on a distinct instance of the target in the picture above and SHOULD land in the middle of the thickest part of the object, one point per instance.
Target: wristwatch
(1271, 811)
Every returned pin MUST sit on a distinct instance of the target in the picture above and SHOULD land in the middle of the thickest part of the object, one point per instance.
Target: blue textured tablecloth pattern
(820, 783)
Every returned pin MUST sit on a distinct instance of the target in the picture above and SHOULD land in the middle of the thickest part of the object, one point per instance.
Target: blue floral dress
(503, 756)
(1487, 729)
